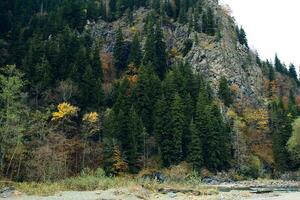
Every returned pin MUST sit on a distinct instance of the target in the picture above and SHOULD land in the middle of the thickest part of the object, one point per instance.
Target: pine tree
(209, 24)
(177, 128)
(224, 91)
(91, 90)
(161, 65)
(135, 140)
(242, 37)
(292, 72)
(195, 156)
(278, 65)
(161, 127)
(281, 132)
(155, 48)
(201, 113)
(146, 93)
(217, 149)
(119, 52)
(135, 55)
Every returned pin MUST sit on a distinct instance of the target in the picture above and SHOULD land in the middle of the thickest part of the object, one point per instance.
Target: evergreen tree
(135, 141)
(119, 52)
(195, 156)
(278, 65)
(177, 128)
(224, 91)
(217, 148)
(271, 74)
(135, 55)
(161, 128)
(201, 114)
(146, 93)
(155, 48)
(281, 132)
(209, 24)
(242, 37)
(293, 73)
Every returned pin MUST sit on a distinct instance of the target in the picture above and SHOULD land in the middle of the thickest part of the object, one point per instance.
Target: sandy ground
(126, 194)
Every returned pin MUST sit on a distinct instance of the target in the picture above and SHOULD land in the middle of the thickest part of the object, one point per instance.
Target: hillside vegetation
(137, 86)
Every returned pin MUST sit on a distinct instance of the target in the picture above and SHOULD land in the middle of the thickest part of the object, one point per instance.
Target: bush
(253, 169)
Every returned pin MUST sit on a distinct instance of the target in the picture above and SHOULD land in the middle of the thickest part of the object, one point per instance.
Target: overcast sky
(271, 26)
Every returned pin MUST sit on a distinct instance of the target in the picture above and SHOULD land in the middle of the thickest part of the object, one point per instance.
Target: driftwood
(261, 190)
(184, 191)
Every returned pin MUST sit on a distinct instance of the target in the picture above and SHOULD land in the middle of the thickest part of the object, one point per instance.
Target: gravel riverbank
(236, 191)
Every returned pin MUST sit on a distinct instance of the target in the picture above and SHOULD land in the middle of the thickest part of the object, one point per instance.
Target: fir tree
(119, 52)
(161, 127)
(281, 132)
(155, 48)
(146, 93)
(208, 20)
(195, 156)
(292, 72)
(278, 65)
(135, 55)
(217, 151)
(177, 128)
(242, 37)
(224, 91)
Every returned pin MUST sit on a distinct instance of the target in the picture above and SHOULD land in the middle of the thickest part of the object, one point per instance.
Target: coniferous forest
(61, 112)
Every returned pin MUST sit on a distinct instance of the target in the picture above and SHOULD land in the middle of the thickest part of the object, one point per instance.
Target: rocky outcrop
(213, 56)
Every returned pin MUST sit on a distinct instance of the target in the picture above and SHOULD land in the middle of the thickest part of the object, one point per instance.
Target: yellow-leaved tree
(91, 126)
(65, 110)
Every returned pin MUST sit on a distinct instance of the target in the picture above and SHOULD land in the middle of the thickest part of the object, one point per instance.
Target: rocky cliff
(213, 56)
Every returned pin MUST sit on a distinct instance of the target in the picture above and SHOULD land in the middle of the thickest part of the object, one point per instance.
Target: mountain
(127, 85)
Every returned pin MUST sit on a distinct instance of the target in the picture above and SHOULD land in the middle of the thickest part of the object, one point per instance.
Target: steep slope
(213, 56)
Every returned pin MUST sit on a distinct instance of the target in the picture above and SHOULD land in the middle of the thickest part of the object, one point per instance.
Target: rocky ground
(127, 194)
(235, 192)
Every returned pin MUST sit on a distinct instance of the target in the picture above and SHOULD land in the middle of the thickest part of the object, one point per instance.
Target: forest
(58, 117)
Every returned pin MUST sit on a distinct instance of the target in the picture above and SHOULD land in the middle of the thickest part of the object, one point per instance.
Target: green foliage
(155, 48)
(119, 52)
(242, 38)
(293, 73)
(281, 132)
(294, 144)
(177, 128)
(279, 66)
(145, 94)
(12, 112)
(195, 155)
(209, 23)
(224, 92)
(135, 55)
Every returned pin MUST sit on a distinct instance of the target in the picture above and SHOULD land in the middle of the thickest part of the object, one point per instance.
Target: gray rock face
(214, 56)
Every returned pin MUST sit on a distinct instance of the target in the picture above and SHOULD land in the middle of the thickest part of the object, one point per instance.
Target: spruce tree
(242, 37)
(119, 52)
(224, 91)
(155, 48)
(278, 65)
(177, 128)
(162, 128)
(135, 55)
(134, 143)
(208, 21)
(292, 72)
(217, 151)
(146, 93)
(195, 155)
(281, 132)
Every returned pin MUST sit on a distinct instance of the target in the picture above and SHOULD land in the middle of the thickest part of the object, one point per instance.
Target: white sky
(272, 26)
